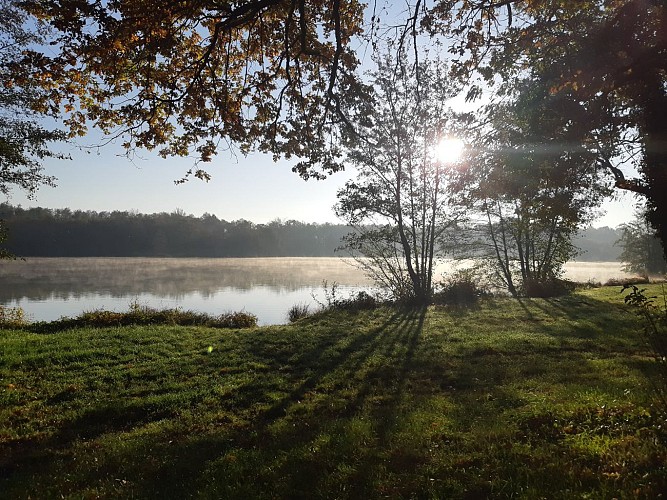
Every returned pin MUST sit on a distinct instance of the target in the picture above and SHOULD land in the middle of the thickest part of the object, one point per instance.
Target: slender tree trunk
(414, 277)
(518, 236)
(504, 263)
(432, 229)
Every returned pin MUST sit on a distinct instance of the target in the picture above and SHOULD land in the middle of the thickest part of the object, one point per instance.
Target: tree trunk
(655, 170)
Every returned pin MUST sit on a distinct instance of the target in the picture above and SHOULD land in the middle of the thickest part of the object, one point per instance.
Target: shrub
(13, 317)
(654, 327)
(144, 315)
(547, 288)
(359, 302)
(235, 320)
(461, 288)
(591, 283)
(626, 282)
(298, 311)
(362, 301)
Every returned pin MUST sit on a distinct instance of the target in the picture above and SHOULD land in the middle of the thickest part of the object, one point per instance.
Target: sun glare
(449, 150)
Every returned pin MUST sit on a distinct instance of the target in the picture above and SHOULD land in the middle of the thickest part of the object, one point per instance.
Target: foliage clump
(12, 317)
(461, 288)
(297, 312)
(654, 328)
(642, 250)
(626, 282)
(361, 301)
(544, 288)
(144, 315)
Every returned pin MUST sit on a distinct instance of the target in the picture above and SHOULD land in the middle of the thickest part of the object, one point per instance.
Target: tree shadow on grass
(352, 412)
(326, 387)
(303, 438)
(576, 316)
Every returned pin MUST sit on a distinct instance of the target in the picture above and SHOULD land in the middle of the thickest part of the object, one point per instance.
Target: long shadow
(395, 340)
(368, 363)
(340, 379)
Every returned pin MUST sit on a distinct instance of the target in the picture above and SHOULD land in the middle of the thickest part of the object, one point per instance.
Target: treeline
(42, 232)
(599, 244)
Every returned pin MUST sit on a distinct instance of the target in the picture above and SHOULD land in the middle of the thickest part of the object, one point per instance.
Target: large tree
(275, 74)
(24, 140)
(605, 62)
(533, 193)
(398, 203)
(641, 253)
(196, 76)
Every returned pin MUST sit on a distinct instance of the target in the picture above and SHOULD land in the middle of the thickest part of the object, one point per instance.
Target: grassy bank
(538, 398)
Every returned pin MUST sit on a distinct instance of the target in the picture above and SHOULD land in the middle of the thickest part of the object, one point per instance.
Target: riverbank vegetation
(136, 315)
(508, 398)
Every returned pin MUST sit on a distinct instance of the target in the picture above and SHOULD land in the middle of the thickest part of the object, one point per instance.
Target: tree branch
(634, 185)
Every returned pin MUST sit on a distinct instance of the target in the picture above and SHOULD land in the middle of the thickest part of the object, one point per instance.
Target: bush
(461, 288)
(591, 283)
(547, 288)
(298, 311)
(13, 317)
(626, 282)
(362, 301)
(359, 302)
(234, 320)
(654, 326)
(144, 315)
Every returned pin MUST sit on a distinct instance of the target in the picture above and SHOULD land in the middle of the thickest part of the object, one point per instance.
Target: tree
(277, 74)
(533, 195)
(398, 203)
(642, 253)
(24, 142)
(606, 65)
(195, 76)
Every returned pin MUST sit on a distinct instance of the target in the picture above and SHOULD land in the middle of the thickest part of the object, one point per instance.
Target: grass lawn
(531, 399)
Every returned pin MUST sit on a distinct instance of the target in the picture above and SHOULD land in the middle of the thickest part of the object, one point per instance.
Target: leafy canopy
(24, 141)
(197, 76)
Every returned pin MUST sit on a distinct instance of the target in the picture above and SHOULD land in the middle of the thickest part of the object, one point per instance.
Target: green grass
(531, 399)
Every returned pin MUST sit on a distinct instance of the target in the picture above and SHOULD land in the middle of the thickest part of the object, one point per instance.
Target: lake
(48, 288)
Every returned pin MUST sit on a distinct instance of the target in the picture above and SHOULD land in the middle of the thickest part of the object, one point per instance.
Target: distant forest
(43, 232)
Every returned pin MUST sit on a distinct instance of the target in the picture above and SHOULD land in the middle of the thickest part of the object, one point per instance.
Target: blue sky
(252, 188)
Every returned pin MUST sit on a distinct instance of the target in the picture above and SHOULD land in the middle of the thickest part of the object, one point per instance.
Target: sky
(252, 188)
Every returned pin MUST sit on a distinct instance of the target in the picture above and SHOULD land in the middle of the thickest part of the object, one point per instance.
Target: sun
(449, 150)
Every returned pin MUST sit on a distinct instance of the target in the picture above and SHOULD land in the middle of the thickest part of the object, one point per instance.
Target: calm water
(48, 288)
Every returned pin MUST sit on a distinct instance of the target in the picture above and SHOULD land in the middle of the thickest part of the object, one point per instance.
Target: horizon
(253, 188)
(185, 213)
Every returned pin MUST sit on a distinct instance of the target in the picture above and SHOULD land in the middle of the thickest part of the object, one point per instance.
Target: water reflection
(40, 278)
(48, 288)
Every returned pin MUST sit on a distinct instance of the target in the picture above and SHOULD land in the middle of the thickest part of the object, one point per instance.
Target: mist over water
(49, 288)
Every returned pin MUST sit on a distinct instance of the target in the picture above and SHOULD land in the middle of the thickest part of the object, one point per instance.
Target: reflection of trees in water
(66, 278)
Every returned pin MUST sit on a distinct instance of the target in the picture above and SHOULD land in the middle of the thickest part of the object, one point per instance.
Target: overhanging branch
(634, 185)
